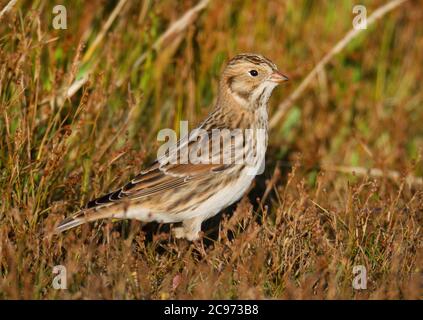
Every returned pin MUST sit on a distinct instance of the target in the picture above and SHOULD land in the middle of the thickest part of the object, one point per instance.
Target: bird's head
(250, 78)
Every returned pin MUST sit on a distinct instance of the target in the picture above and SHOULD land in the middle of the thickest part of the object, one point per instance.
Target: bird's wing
(154, 180)
(161, 177)
(158, 178)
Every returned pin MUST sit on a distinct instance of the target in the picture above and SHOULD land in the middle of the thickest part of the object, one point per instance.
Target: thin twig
(104, 30)
(375, 172)
(362, 171)
(353, 33)
(175, 28)
(77, 84)
(7, 7)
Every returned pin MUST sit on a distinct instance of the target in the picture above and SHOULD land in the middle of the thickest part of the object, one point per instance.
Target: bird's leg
(190, 229)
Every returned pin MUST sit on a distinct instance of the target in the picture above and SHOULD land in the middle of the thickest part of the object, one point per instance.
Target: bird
(190, 192)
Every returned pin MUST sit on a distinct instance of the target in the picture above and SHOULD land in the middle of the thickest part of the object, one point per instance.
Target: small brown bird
(188, 192)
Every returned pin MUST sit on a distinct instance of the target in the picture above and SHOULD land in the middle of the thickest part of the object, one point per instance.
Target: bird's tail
(87, 215)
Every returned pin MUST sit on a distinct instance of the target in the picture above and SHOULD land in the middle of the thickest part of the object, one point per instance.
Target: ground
(342, 186)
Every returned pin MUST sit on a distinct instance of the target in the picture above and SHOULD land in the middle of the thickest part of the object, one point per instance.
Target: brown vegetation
(307, 221)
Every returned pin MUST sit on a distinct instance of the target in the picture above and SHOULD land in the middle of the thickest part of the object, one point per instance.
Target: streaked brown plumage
(188, 192)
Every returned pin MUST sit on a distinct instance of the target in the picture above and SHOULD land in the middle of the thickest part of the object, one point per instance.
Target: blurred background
(80, 109)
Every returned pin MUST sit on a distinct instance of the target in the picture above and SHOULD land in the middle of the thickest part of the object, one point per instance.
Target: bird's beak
(278, 77)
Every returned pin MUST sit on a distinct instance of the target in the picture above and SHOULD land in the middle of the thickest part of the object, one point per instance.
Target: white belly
(227, 195)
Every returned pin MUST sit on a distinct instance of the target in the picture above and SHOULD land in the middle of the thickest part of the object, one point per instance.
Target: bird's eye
(254, 73)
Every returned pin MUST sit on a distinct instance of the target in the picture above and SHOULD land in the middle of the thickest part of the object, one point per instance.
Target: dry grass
(302, 228)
